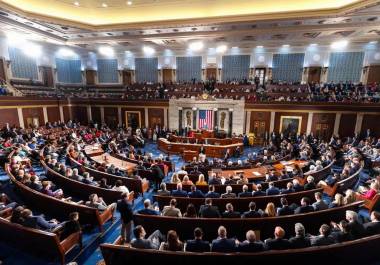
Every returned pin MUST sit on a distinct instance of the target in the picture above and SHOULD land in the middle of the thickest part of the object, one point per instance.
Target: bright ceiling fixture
(259, 46)
(104, 5)
(148, 50)
(313, 44)
(76, 3)
(286, 46)
(221, 48)
(106, 51)
(129, 3)
(339, 44)
(373, 42)
(65, 52)
(196, 46)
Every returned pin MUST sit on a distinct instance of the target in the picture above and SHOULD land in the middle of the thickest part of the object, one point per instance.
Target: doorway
(260, 72)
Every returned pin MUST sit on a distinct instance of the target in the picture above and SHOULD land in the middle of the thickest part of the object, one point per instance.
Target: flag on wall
(205, 119)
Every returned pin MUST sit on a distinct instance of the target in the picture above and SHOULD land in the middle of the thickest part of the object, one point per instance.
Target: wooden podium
(188, 155)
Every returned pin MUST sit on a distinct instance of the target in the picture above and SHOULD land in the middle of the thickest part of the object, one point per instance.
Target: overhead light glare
(339, 44)
(148, 50)
(221, 49)
(106, 51)
(196, 46)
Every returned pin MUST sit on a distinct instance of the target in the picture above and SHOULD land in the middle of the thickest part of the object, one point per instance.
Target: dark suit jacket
(212, 195)
(197, 245)
(272, 191)
(357, 229)
(148, 212)
(179, 193)
(251, 214)
(223, 245)
(142, 244)
(277, 244)
(245, 194)
(372, 228)
(322, 241)
(285, 210)
(304, 209)
(299, 242)
(231, 215)
(251, 247)
(207, 211)
(258, 193)
(196, 194)
(125, 210)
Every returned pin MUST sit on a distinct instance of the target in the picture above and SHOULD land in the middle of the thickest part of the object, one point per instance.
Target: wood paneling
(90, 77)
(127, 77)
(211, 73)
(372, 122)
(9, 116)
(110, 116)
(347, 124)
(31, 113)
(3, 75)
(47, 76)
(323, 125)
(314, 74)
(373, 74)
(66, 113)
(96, 116)
(79, 113)
(53, 114)
(142, 114)
(155, 117)
(262, 116)
(167, 75)
(277, 120)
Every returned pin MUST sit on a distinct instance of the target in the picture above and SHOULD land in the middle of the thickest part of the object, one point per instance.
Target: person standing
(126, 213)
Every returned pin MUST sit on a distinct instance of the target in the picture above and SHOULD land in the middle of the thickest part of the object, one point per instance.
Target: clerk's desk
(214, 147)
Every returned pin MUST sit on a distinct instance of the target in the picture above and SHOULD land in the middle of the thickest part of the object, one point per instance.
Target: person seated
(245, 193)
(16, 215)
(195, 193)
(191, 211)
(163, 191)
(173, 243)
(373, 227)
(214, 180)
(98, 203)
(305, 206)
(259, 191)
(354, 225)
(211, 192)
(71, 226)
(171, 209)
(197, 244)
(279, 242)
(338, 201)
(74, 174)
(208, 210)
(229, 193)
(324, 237)
(175, 179)
(140, 166)
(152, 242)
(310, 184)
(35, 184)
(222, 243)
(252, 213)
(87, 179)
(46, 189)
(37, 222)
(272, 190)
(103, 184)
(341, 232)
(179, 192)
(251, 245)
(120, 187)
(187, 181)
(5, 202)
(229, 180)
(297, 186)
(289, 188)
(319, 203)
(373, 190)
(350, 197)
(270, 210)
(285, 209)
(229, 212)
(182, 171)
(148, 209)
(201, 180)
(299, 240)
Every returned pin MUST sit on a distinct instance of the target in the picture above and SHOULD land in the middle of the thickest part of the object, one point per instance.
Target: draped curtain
(146, 70)
(22, 66)
(235, 67)
(68, 71)
(345, 66)
(288, 67)
(107, 71)
(189, 68)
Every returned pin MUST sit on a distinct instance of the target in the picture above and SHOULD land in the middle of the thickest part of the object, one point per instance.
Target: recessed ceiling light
(313, 44)
(76, 3)
(196, 46)
(148, 50)
(373, 42)
(104, 5)
(106, 51)
(221, 48)
(259, 46)
(286, 45)
(129, 3)
(339, 44)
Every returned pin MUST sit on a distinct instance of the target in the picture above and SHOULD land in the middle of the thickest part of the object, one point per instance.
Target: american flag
(205, 119)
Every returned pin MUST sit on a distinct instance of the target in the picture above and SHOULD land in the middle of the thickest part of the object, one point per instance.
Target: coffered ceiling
(172, 24)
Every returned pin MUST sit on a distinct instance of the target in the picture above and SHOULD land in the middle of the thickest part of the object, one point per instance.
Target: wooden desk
(210, 150)
(93, 150)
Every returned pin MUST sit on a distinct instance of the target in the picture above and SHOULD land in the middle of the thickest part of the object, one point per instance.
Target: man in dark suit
(319, 202)
(245, 193)
(163, 191)
(148, 209)
(208, 210)
(259, 191)
(278, 243)
(179, 192)
(211, 192)
(305, 206)
(222, 243)
(299, 240)
(229, 212)
(152, 242)
(37, 221)
(285, 209)
(324, 238)
(272, 190)
(194, 193)
(373, 227)
(197, 244)
(252, 213)
(357, 229)
(251, 244)
(126, 214)
(289, 188)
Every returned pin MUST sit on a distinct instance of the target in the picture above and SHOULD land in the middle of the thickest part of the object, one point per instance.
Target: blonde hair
(270, 210)
(339, 199)
(175, 179)
(350, 197)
